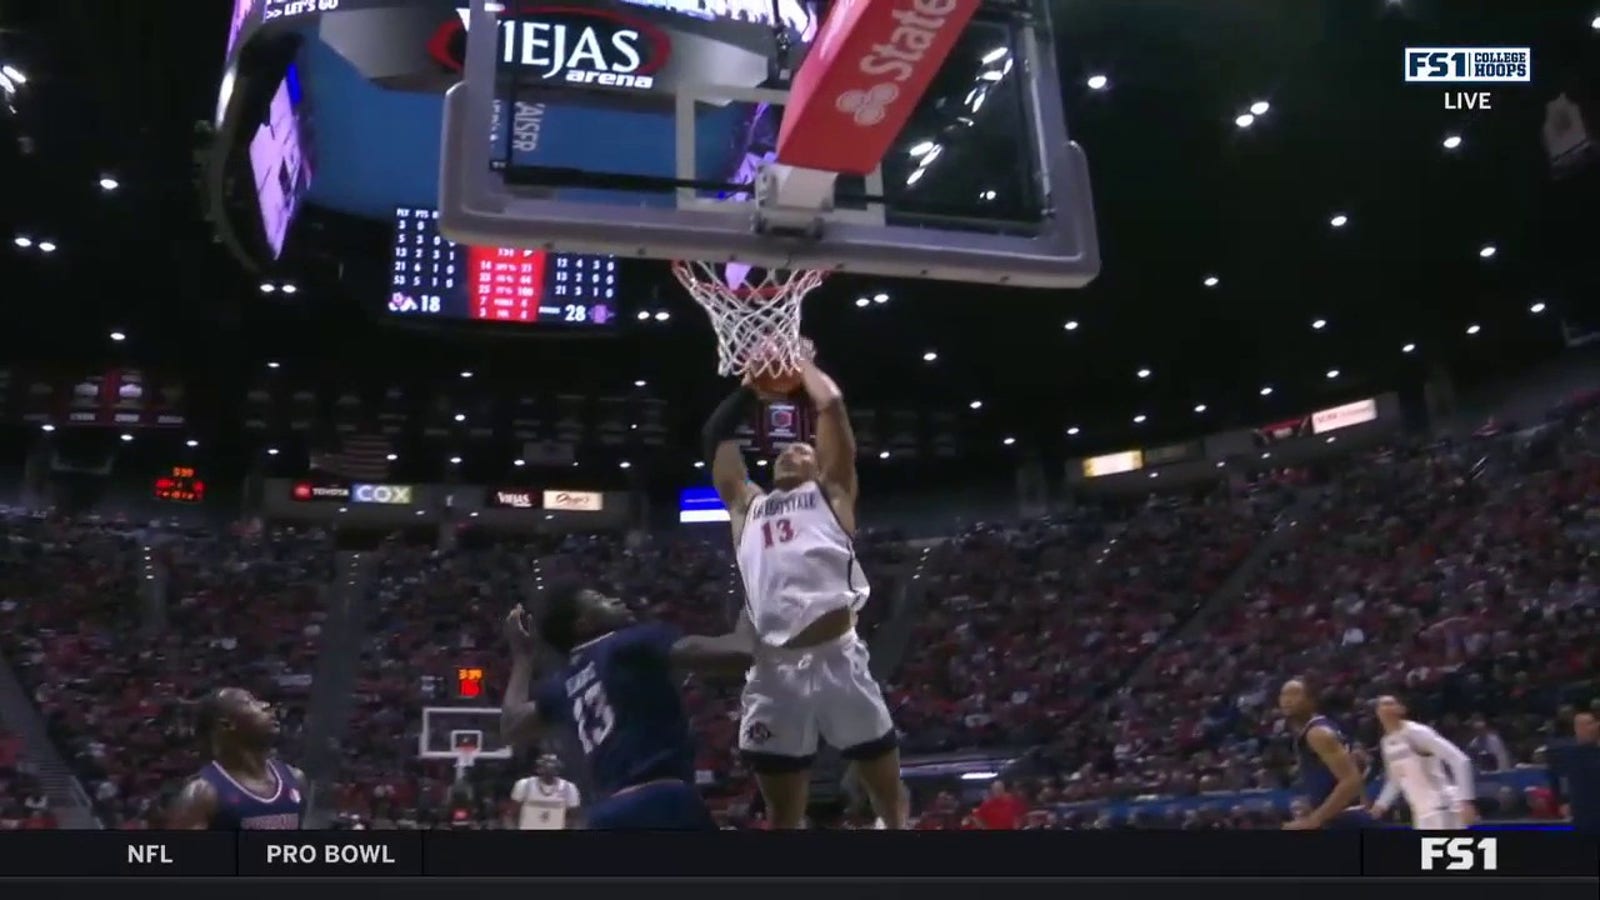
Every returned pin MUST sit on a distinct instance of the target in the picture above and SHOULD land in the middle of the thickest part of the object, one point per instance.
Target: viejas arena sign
(575, 45)
(613, 45)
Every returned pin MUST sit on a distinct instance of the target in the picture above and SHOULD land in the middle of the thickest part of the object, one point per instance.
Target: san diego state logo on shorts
(757, 733)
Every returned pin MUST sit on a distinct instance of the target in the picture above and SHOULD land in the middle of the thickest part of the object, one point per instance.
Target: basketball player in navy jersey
(1328, 774)
(242, 787)
(617, 691)
(803, 587)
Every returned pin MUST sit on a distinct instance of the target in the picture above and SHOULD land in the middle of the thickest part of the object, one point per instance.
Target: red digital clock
(180, 484)
(469, 682)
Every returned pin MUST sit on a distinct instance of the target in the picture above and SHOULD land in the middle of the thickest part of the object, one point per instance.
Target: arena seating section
(1096, 645)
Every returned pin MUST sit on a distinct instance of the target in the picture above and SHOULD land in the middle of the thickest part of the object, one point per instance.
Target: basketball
(781, 384)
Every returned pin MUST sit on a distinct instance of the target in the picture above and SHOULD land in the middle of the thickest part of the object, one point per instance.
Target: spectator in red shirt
(1001, 810)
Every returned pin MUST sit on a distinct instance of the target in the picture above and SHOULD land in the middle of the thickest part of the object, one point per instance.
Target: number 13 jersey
(797, 562)
(618, 692)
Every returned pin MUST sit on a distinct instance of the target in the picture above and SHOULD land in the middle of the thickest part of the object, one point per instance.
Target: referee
(1575, 773)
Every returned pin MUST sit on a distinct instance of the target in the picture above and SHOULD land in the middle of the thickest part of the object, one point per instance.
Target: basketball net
(754, 312)
(465, 757)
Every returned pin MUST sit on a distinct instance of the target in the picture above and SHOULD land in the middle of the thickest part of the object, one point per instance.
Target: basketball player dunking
(803, 587)
(617, 690)
(1328, 774)
(242, 787)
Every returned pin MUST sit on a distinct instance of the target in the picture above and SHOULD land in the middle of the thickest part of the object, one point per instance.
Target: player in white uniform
(1433, 775)
(803, 586)
(546, 801)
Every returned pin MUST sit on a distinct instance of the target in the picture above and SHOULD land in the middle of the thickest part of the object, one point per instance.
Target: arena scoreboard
(180, 484)
(436, 278)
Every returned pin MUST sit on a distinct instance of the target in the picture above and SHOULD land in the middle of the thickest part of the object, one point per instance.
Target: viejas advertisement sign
(575, 45)
(513, 498)
(632, 48)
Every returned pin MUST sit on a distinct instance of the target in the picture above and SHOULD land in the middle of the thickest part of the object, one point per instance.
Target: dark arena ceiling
(1355, 238)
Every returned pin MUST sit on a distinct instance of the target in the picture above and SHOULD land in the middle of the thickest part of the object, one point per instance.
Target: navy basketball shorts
(666, 805)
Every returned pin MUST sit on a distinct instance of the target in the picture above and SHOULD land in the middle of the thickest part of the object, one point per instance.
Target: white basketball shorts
(792, 698)
(1446, 819)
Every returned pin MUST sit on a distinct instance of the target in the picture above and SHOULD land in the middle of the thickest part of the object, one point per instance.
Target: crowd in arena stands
(22, 801)
(1458, 575)
(242, 608)
(1026, 625)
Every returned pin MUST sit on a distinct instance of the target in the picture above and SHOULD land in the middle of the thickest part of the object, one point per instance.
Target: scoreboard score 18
(180, 484)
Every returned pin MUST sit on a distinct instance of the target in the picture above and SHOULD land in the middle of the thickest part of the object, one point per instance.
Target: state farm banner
(874, 60)
(512, 498)
(574, 501)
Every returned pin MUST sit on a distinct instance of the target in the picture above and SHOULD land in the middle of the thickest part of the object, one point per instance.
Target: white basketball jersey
(543, 807)
(1417, 770)
(797, 562)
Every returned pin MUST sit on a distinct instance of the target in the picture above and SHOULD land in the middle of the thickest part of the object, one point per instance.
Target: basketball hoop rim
(691, 278)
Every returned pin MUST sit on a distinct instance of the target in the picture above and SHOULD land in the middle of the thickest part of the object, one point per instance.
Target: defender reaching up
(803, 586)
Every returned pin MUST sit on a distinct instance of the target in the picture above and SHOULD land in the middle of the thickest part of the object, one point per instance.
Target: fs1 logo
(1461, 854)
(1469, 65)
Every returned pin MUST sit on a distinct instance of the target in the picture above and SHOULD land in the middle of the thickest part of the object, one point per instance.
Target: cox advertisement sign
(359, 492)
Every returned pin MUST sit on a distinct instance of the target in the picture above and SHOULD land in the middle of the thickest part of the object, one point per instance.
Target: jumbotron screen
(434, 277)
(278, 161)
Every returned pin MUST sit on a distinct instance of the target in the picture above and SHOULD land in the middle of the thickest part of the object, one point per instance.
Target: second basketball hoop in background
(756, 316)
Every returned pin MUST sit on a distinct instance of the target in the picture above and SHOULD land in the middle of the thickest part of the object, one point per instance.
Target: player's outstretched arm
(519, 716)
(1346, 793)
(836, 440)
(726, 652)
(195, 807)
(1387, 796)
(728, 472)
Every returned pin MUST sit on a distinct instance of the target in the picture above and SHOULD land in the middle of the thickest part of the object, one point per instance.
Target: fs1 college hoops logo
(1468, 65)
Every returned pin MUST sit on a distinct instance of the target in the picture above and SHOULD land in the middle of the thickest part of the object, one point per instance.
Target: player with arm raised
(1328, 774)
(1434, 775)
(617, 690)
(803, 586)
